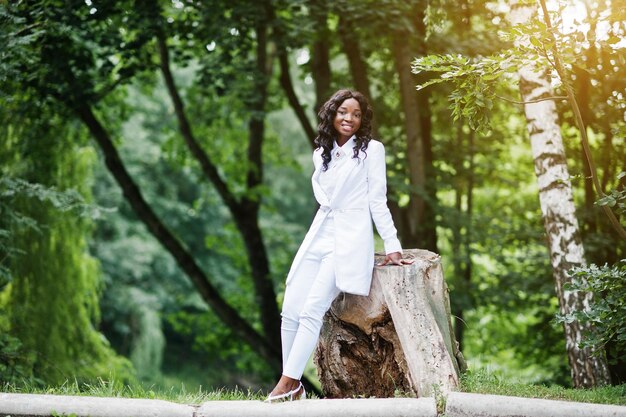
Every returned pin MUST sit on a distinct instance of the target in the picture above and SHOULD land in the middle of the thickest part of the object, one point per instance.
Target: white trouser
(307, 298)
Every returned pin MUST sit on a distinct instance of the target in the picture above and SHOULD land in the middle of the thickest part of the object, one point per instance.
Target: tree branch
(208, 168)
(244, 212)
(103, 92)
(287, 85)
(26, 29)
(579, 122)
(185, 261)
(285, 79)
(256, 124)
(532, 101)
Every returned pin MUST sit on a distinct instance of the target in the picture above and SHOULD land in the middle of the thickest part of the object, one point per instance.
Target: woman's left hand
(395, 258)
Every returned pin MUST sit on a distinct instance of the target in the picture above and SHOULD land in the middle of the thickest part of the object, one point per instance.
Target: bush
(12, 370)
(607, 312)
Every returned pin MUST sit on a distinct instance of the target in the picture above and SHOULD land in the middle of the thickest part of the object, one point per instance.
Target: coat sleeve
(317, 157)
(377, 195)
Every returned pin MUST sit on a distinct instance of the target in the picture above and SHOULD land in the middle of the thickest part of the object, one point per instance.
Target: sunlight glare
(303, 56)
(573, 15)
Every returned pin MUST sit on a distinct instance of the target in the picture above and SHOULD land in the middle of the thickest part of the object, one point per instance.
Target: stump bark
(397, 340)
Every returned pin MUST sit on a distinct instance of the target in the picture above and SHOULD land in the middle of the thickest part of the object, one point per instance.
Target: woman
(337, 254)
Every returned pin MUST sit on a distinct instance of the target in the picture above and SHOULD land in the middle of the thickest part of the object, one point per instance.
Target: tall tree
(358, 65)
(557, 206)
(413, 214)
(462, 223)
(406, 42)
(320, 54)
(245, 210)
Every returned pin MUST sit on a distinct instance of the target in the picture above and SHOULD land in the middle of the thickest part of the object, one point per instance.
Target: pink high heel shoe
(288, 396)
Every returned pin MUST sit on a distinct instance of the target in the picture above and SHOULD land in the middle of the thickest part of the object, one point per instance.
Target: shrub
(607, 312)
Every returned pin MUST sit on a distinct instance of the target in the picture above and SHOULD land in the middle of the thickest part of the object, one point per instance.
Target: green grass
(114, 389)
(483, 382)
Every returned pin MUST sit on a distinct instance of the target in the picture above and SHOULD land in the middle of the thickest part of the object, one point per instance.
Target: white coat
(360, 196)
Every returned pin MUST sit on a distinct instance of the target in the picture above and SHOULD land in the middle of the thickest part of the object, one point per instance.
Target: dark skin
(347, 122)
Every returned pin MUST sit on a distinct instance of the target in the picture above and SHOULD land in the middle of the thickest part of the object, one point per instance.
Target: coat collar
(342, 174)
(346, 148)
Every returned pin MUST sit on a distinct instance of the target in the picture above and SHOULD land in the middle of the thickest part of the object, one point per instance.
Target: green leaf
(608, 200)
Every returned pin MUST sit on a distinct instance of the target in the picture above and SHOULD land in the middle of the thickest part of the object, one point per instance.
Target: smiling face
(347, 120)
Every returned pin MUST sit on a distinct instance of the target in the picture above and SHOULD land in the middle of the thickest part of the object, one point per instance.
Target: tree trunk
(244, 211)
(399, 338)
(428, 226)
(461, 244)
(410, 233)
(358, 65)
(292, 98)
(285, 77)
(183, 258)
(419, 217)
(582, 84)
(461, 248)
(320, 55)
(557, 206)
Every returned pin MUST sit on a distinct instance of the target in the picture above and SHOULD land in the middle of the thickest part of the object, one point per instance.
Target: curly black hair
(326, 133)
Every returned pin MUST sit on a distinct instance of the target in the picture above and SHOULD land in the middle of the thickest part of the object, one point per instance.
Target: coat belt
(330, 210)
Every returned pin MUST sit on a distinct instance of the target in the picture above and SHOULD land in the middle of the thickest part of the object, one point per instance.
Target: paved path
(458, 405)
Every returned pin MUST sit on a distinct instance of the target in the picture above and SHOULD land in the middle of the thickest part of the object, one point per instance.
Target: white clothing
(359, 195)
(307, 298)
(337, 253)
(339, 156)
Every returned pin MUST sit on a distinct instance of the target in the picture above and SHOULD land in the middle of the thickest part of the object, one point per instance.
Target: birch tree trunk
(558, 210)
(397, 339)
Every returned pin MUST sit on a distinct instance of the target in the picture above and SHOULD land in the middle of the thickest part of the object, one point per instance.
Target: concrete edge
(367, 407)
(35, 405)
(461, 404)
(458, 405)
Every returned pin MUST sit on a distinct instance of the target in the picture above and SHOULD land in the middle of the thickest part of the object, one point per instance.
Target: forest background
(156, 162)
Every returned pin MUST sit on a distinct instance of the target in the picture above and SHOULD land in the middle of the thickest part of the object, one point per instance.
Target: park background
(156, 162)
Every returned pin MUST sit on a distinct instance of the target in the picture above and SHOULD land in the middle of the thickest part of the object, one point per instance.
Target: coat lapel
(318, 192)
(343, 174)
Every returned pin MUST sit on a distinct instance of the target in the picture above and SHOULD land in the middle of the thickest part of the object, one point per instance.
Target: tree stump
(399, 339)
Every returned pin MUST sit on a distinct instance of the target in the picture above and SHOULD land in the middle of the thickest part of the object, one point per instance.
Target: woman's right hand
(395, 258)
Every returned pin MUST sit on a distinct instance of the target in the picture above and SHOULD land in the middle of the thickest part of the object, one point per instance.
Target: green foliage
(13, 188)
(51, 305)
(58, 335)
(616, 199)
(13, 368)
(606, 312)
(474, 91)
(75, 53)
(105, 56)
(515, 294)
(142, 278)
